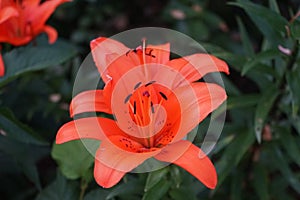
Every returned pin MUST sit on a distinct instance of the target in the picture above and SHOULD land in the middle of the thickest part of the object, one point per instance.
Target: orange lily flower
(155, 102)
(21, 21)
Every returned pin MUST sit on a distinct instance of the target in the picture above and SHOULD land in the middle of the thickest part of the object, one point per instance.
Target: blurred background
(258, 154)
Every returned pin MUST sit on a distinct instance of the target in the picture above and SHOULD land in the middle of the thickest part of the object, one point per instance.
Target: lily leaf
(130, 187)
(32, 58)
(25, 156)
(59, 189)
(262, 110)
(289, 143)
(293, 78)
(231, 157)
(236, 185)
(245, 39)
(96, 194)
(282, 165)
(14, 129)
(155, 177)
(73, 158)
(158, 191)
(260, 58)
(295, 29)
(271, 24)
(260, 181)
(183, 192)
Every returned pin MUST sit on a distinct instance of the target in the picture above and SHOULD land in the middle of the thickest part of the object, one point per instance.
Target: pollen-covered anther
(163, 95)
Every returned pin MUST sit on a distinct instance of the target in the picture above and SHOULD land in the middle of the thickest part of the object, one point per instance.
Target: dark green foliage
(258, 153)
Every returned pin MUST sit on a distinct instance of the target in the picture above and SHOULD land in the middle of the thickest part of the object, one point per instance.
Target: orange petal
(158, 53)
(31, 3)
(2, 68)
(7, 12)
(40, 14)
(52, 34)
(191, 158)
(196, 66)
(106, 176)
(120, 159)
(105, 51)
(89, 101)
(197, 101)
(93, 127)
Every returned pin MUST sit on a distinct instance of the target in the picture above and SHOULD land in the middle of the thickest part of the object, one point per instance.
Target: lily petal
(196, 66)
(51, 32)
(114, 156)
(105, 51)
(197, 101)
(191, 158)
(31, 3)
(7, 12)
(2, 68)
(89, 101)
(158, 53)
(42, 12)
(106, 176)
(93, 128)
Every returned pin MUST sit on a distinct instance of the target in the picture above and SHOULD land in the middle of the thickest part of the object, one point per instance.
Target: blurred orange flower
(155, 102)
(23, 20)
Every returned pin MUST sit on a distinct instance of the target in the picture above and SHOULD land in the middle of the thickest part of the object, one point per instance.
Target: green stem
(83, 187)
(282, 81)
(290, 64)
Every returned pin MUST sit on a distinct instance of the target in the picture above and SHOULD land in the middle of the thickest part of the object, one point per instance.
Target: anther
(150, 53)
(134, 107)
(137, 85)
(163, 95)
(127, 98)
(152, 108)
(151, 82)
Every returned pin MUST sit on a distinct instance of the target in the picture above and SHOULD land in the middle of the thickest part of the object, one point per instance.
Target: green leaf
(289, 143)
(197, 29)
(158, 191)
(260, 182)
(295, 29)
(183, 192)
(14, 129)
(211, 19)
(293, 78)
(154, 177)
(261, 57)
(176, 175)
(33, 58)
(262, 110)
(96, 194)
(60, 189)
(274, 6)
(128, 188)
(25, 156)
(236, 185)
(234, 102)
(234, 153)
(282, 164)
(241, 101)
(271, 24)
(73, 157)
(245, 39)
(296, 123)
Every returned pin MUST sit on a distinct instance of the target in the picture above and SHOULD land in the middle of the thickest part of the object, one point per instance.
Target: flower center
(145, 108)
